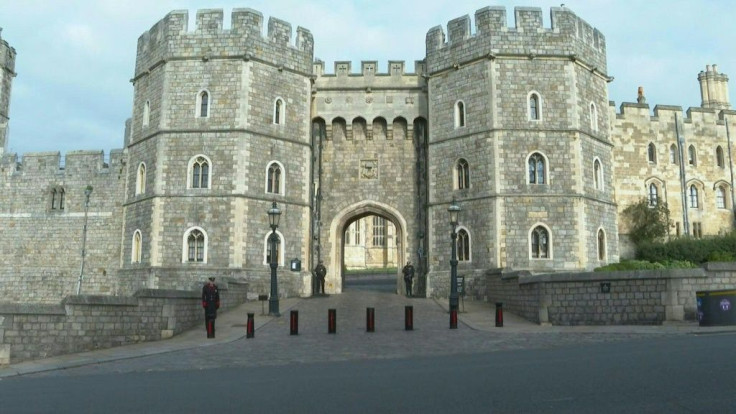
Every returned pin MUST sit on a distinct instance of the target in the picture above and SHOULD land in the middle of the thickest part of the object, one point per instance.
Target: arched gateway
(338, 225)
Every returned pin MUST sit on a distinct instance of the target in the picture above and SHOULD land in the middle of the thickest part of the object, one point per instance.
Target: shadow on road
(381, 282)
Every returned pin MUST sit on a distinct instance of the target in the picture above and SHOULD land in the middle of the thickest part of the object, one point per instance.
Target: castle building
(511, 123)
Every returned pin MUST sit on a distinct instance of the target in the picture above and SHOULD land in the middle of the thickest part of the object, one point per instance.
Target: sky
(75, 58)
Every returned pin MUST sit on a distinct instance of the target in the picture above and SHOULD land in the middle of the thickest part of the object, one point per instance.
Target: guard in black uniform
(210, 303)
(408, 271)
(321, 271)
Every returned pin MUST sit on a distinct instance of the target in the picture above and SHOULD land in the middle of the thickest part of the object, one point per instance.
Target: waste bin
(716, 307)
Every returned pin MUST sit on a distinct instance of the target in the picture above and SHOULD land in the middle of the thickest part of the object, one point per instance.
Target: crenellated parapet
(74, 163)
(568, 37)
(7, 55)
(641, 113)
(369, 77)
(171, 39)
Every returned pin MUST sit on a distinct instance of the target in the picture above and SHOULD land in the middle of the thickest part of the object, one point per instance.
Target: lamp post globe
(274, 214)
(454, 211)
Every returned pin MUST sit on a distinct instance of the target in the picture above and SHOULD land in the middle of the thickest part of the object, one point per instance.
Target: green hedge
(711, 249)
(646, 265)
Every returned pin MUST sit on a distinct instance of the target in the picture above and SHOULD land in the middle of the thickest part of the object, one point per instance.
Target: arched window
(693, 196)
(278, 111)
(462, 174)
(537, 169)
(195, 246)
(146, 113)
(598, 174)
(674, 156)
(652, 153)
(137, 247)
(601, 245)
(593, 117)
(203, 104)
(463, 245)
(721, 197)
(140, 181)
(539, 243)
(719, 157)
(534, 106)
(279, 248)
(691, 156)
(57, 198)
(653, 195)
(199, 175)
(274, 179)
(459, 114)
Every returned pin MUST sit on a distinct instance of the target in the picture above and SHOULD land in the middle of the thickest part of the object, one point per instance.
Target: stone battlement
(170, 38)
(568, 36)
(53, 163)
(368, 68)
(7, 54)
(629, 111)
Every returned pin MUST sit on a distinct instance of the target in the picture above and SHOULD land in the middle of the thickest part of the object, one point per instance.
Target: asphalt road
(684, 374)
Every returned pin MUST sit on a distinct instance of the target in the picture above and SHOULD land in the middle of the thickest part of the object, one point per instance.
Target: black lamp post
(273, 301)
(454, 211)
(87, 193)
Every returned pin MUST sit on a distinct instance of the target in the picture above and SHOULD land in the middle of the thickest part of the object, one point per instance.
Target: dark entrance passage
(382, 280)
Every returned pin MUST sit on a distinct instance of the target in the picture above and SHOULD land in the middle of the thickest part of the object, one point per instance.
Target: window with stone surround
(719, 157)
(537, 166)
(692, 156)
(280, 246)
(674, 156)
(540, 243)
(58, 199)
(601, 245)
(593, 117)
(146, 113)
(279, 109)
(140, 181)
(598, 174)
(136, 251)
(203, 104)
(194, 249)
(697, 229)
(199, 175)
(534, 106)
(463, 245)
(652, 153)
(721, 197)
(653, 195)
(459, 114)
(462, 174)
(275, 178)
(379, 231)
(693, 196)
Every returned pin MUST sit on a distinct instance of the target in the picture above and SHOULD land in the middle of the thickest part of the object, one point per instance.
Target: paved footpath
(273, 345)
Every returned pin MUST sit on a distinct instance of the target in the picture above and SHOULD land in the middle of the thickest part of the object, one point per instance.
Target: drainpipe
(683, 185)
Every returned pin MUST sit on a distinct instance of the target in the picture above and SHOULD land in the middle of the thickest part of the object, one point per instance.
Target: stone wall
(89, 322)
(608, 298)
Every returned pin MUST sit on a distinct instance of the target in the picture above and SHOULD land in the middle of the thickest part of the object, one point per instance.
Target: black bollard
(453, 318)
(499, 314)
(408, 318)
(294, 323)
(249, 327)
(370, 320)
(332, 321)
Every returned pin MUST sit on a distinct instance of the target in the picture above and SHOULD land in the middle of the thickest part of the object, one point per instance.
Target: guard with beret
(210, 303)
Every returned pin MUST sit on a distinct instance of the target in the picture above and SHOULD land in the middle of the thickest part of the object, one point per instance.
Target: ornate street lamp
(454, 211)
(87, 193)
(274, 214)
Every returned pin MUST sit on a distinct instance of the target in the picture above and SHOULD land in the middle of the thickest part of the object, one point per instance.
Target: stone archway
(334, 278)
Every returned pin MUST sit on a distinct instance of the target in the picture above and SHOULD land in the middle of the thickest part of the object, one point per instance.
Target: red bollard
(249, 327)
(332, 321)
(370, 320)
(408, 318)
(453, 318)
(499, 314)
(294, 323)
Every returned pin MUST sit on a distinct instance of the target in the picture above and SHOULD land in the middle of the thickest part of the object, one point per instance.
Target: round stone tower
(519, 137)
(220, 130)
(7, 73)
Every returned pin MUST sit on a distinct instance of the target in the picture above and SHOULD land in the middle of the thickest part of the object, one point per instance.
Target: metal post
(453, 271)
(87, 193)
(332, 321)
(408, 318)
(250, 327)
(294, 323)
(370, 319)
(273, 300)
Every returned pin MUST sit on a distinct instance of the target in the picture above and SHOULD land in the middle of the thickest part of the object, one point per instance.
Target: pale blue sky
(76, 57)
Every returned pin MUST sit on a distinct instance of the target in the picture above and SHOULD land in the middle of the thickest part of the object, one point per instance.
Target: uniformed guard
(408, 271)
(320, 271)
(210, 303)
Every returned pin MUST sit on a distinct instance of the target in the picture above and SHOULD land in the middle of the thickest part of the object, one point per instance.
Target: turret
(7, 73)
(713, 88)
